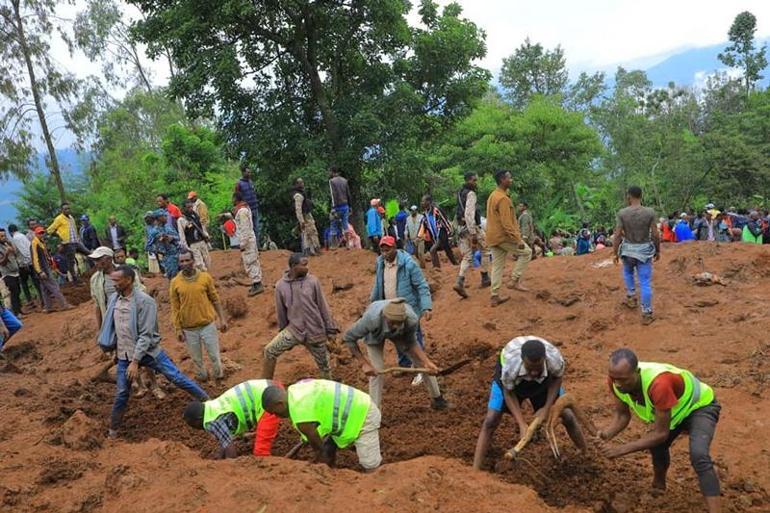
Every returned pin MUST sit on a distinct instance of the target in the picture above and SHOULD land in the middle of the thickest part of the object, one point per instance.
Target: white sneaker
(417, 380)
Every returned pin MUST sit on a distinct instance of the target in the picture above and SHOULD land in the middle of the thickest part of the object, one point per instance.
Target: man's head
(12, 229)
(161, 215)
(193, 414)
(413, 210)
(192, 195)
(334, 171)
(299, 184)
(426, 201)
(245, 172)
(102, 258)
(123, 278)
(112, 220)
(120, 256)
(522, 206)
(39, 232)
(162, 200)
(388, 248)
(471, 180)
(624, 371)
(188, 207)
(395, 314)
(754, 215)
(65, 208)
(298, 265)
(186, 262)
(634, 194)
(503, 179)
(85, 220)
(533, 357)
(3, 236)
(275, 401)
(31, 223)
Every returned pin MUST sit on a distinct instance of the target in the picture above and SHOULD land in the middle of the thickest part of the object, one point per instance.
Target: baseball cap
(374, 202)
(39, 230)
(413, 207)
(683, 215)
(101, 251)
(84, 217)
(388, 240)
(191, 194)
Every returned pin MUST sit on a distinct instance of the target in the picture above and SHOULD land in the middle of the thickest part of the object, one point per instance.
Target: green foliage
(533, 70)
(741, 53)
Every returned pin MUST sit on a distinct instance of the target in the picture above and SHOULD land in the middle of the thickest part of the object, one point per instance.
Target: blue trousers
(403, 359)
(11, 322)
(161, 364)
(644, 272)
(340, 223)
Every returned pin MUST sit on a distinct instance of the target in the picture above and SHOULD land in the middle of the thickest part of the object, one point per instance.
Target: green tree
(29, 77)
(532, 70)
(741, 52)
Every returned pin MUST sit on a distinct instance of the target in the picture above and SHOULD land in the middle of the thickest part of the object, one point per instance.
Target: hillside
(54, 456)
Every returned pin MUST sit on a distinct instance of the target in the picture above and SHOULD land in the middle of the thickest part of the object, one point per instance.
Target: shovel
(420, 370)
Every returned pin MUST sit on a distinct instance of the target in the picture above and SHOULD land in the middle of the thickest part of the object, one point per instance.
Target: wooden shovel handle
(408, 370)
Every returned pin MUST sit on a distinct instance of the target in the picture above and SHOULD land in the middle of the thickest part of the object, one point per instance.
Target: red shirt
(173, 210)
(665, 391)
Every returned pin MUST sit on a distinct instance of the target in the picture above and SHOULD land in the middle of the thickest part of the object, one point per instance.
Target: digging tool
(565, 401)
(420, 370)
(295, 450)
(511, 454)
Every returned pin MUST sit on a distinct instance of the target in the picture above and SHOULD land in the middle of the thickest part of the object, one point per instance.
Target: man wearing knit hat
(396, 321)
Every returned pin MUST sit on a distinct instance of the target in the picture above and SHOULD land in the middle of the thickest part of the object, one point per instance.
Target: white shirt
(24, 247)
(513, 371)
(114, 236)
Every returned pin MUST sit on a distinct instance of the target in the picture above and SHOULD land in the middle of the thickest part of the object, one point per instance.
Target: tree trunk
(54, 162)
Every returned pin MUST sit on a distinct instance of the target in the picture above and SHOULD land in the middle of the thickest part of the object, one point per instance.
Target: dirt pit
(54, 455)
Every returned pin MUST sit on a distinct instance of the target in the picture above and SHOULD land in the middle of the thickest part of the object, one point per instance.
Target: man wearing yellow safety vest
(330, 415)
(672, 400)
(237, 411)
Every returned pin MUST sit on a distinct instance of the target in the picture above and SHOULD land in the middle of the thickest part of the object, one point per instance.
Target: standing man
(529, 368)
(374, 224)
(248, 243)
(172, 211)
(41, 264)
(195, 306)
(392, 320)
(245, 187)
(193, 236)
(341, 201)
(527, 226)
(131, 329)
(65, 228)
(752, 230)
(24, 257)
(637, 241)
(671, 400)
(88, 235)
(414, 244)
(200, 208)
(162, 239)
(31, 225)
(237, 411)
(471, 236)
(313, 405)
(9, 270)
(504, 238)
(396, 275)
(303, 210)
(436, 231)
(303, 318)
(115, 234)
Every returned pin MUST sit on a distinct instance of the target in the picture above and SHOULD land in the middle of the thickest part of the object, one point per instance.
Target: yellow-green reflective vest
(339, 410)
(747, 236)
(696, 394)
(245, 400)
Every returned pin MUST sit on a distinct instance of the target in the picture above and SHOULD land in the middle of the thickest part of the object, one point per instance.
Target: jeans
(11, 322)
(12, 282)
(161, 364)
(644, 270)
(701, 425)
(341, 219)
(403, 359)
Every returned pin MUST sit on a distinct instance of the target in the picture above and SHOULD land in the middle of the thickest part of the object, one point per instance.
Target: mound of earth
(55, 400)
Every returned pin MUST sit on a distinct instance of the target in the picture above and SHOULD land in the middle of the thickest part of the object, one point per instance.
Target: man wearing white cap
(102, 286)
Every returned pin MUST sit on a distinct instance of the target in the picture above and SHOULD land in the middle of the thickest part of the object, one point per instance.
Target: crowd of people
(329, 414)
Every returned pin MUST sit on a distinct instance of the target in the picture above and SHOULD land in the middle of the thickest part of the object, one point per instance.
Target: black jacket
(121, 236)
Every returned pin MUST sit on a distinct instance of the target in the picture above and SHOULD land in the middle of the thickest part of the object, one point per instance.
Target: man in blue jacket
(396, 274)
(130, 328)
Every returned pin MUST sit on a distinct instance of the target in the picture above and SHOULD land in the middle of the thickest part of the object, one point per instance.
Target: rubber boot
(460, 287)
(485, 281)
(256, 288)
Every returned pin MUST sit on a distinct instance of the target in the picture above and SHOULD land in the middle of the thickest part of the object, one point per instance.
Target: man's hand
(656, 257)
(368, 369)
(4, 332)
(543, 413)
(223, 327)
(427, 315)
(615, 259)
(133, 370)
(181, 336)
(612, 452)
(522, 429)
(432, 369)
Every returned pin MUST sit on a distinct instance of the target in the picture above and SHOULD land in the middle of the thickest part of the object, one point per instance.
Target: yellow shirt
(502, 225)
(192, 301)
(64, 226)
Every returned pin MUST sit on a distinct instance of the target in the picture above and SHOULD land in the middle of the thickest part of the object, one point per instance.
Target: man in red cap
(200, 208)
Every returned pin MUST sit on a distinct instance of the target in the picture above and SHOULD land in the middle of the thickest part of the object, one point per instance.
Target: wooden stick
(531, 430)
(407, 370)
(294, 450)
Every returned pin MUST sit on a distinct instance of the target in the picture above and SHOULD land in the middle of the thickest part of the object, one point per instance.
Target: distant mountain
(71, 163)
(690, 67)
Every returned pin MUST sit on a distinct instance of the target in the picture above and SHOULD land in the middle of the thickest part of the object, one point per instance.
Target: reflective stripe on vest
(338, 425)
(247, 411)
(696, 394)
(244, 400)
